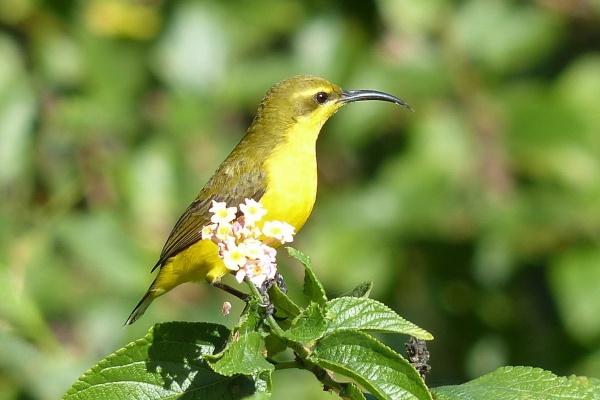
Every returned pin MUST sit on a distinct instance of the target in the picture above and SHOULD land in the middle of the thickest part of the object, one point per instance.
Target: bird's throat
(291, 172)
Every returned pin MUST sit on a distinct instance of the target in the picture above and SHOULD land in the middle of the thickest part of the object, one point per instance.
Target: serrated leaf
(309, 326)
(520, 383)
(243, 356)
(370, 363)
(167, 364)
(283, 303)
(362, 290)
(300, 256)
(263, 386)
(313, 289)
(249, 320)
(369, 315)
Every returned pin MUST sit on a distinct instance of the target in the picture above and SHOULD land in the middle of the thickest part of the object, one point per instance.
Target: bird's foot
(277, 280)
(280, 282)
(264, 291)
(265, 303)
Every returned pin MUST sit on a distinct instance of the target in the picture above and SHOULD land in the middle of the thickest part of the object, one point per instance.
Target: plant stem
(274, 326)
(254, 290)
(302, 353)
(324, 376)
(287, 365)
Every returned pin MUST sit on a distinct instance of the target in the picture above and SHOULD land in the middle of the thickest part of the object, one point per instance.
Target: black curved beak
(349, 96)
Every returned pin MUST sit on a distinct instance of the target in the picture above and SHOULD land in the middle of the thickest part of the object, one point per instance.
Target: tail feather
(140, 308)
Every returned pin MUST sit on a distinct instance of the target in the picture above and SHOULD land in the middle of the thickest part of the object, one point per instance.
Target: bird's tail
(141, 307)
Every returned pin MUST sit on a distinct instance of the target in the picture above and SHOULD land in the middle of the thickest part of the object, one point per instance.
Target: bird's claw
(277, 280)
(265, 303)
(280, 282)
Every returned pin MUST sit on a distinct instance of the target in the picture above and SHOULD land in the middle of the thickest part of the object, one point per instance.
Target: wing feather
(230, 188)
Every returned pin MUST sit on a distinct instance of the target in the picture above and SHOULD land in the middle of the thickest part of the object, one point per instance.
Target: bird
(274, 164)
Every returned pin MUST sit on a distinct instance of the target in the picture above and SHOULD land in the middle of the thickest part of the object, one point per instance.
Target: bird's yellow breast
(291, 173)
(291, 189)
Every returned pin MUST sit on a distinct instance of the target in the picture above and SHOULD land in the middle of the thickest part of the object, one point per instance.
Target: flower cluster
(241, 241)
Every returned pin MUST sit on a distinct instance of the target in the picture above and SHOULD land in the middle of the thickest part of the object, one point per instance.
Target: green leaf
(243, 356)
(167, 364)
(362, 290)
(313, 289)
(283, 303)
(17, 115)
(275, 345)
(352, 392)
(249, 320)
(527, 34)
(513, 383)
(369, 315)
(573, 278)
(376, 367)
(309, 326)
(263, 387)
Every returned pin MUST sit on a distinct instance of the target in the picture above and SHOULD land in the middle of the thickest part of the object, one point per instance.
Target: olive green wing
(231, 189)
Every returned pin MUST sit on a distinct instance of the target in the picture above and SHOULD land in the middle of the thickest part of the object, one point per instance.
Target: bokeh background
(477, 216)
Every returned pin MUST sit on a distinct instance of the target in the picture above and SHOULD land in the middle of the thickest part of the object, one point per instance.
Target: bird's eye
(321, 97)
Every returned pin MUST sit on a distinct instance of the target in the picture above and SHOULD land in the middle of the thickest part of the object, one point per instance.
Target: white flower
(269, 254)
(223, 231)
(259, 272)
(222, 213)
(281, 231)
(208, 231)
(253, 211)
(240, 275)
(233, 258)
(252, 248)
(238, 228)
(253, 232)
(241, 242)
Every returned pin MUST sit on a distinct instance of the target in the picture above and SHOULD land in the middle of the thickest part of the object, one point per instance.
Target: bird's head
(309, 101)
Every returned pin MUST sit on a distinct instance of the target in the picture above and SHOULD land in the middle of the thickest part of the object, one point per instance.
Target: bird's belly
(291, 188)
(197, 262)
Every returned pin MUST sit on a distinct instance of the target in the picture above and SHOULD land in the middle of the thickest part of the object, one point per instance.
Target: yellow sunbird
(274, 164)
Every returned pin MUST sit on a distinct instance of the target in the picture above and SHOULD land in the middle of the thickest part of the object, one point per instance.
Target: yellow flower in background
(121, 18)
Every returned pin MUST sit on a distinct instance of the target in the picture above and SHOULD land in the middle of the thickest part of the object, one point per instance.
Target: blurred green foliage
(477, 216)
